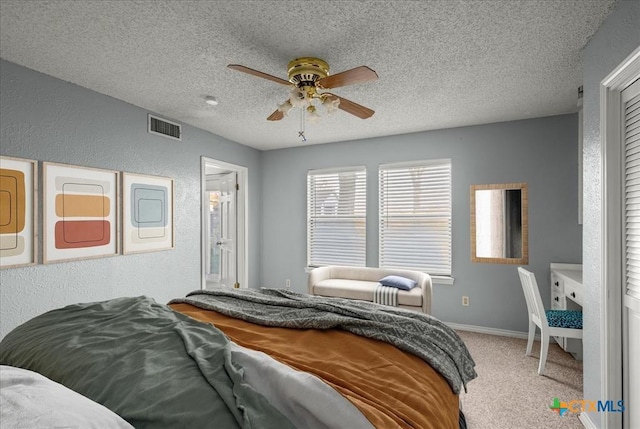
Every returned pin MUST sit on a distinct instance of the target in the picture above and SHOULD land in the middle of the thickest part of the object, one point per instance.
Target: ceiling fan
(307, 76)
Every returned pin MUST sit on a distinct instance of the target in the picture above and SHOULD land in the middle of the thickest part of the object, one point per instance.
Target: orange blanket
(392, 388)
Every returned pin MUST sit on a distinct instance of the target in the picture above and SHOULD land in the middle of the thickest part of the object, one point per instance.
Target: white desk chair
(557, 323)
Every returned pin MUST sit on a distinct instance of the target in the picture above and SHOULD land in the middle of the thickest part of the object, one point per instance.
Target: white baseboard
(492, 331)
(586, 421)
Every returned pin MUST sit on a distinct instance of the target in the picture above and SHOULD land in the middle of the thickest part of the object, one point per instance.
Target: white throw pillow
(31, 400)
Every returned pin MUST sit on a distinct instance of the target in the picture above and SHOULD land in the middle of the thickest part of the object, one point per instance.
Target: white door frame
(242, 221)
(611, 279)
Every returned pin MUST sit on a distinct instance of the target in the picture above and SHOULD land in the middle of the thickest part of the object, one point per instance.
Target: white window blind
(415, 216)
(631, 129)
(336, 217)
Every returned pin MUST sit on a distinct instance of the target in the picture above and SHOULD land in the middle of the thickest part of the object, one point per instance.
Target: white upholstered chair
(560, 323)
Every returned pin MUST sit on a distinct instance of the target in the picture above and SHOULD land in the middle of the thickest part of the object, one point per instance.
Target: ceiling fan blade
(275, 116)
(258, 74)
(353, 108)
(360, 74)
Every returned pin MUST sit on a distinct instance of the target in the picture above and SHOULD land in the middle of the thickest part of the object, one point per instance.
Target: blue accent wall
(542, 152)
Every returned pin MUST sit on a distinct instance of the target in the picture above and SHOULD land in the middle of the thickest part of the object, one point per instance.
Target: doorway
(224, 224)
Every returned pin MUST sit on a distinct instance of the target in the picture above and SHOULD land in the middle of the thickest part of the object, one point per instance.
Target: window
(336, 217)
(415, 216)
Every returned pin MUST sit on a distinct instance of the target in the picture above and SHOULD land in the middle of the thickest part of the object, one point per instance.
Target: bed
(266, 358)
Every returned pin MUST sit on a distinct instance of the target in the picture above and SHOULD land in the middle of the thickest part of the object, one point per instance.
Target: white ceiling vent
(164, 128)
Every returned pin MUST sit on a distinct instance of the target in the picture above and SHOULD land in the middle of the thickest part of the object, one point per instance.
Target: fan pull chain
(301, 132)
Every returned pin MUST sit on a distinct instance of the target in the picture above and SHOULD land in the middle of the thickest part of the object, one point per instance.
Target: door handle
(218, 243)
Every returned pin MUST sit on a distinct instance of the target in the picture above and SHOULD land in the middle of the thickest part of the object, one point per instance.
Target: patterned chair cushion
(564, 319)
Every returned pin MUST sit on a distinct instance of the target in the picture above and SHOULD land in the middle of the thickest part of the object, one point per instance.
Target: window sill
(442, 280)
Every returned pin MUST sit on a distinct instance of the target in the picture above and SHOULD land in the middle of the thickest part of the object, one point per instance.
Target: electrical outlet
(465, 301)
(287, 283)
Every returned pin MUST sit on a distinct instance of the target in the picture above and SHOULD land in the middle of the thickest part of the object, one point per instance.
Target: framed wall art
(147, 212)
(80, 212)
(18, 212)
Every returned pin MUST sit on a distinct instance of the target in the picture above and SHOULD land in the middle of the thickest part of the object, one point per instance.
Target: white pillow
(30, 400)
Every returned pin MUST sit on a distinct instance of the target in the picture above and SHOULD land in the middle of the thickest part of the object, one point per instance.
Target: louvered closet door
(631, 292)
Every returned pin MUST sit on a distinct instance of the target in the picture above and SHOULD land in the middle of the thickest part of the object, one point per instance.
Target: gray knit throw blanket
(417, 333)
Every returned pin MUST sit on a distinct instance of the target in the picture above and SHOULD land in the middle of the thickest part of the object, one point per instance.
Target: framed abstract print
(80, 212)
(147, 212)
(18, 212)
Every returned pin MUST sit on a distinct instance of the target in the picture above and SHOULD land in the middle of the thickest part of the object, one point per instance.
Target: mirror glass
(499, 224)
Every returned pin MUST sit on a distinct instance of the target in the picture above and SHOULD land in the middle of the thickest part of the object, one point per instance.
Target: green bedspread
(153, 366)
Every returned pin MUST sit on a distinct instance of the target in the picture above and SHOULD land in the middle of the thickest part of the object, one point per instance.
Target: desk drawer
(557, 300)
(557, 284)
(573, 293)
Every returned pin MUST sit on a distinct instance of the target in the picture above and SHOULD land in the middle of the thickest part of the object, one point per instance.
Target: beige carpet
(509, 393)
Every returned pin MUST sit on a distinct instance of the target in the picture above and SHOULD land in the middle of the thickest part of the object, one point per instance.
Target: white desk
(566, 294)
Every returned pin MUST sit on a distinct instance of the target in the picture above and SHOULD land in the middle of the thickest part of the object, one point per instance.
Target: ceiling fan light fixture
(312, 114)
(298, 97)
(306, 76)
(285, 107)
(331, 104)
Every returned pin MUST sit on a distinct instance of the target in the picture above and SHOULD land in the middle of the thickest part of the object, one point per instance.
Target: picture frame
(147, 213)
(80, 212)
(18, 212)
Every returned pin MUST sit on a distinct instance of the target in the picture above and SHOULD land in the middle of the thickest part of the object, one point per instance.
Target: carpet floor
(509, 393)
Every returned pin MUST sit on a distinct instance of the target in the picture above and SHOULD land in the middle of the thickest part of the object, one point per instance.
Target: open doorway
(224, 224)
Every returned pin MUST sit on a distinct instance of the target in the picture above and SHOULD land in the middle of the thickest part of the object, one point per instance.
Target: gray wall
(542, 152)
(618, 36)
(47, 119)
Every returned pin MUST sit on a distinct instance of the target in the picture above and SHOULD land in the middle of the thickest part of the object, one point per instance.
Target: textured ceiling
(441, 64)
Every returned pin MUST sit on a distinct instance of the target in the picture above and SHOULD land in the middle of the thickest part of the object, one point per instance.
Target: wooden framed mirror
(500, 224)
